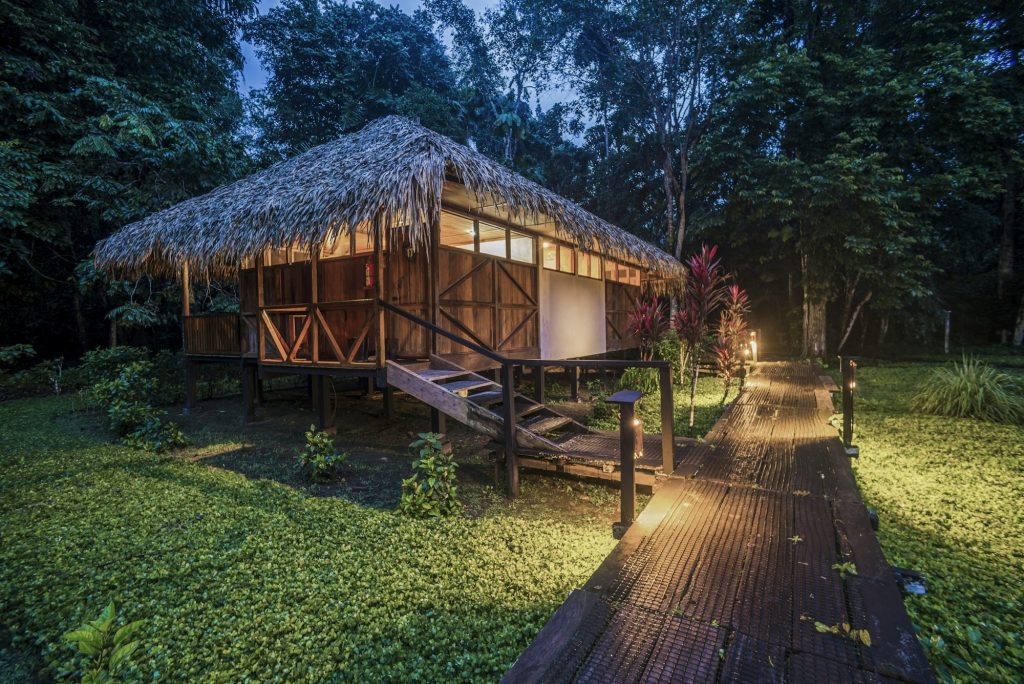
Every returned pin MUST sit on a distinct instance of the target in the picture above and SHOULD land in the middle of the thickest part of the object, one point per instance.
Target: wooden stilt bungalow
(398, 255)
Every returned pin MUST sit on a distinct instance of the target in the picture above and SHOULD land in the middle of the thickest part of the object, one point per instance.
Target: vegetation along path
(755, 562)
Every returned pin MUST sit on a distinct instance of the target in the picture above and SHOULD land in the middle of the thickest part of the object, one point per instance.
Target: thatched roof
(389, 174)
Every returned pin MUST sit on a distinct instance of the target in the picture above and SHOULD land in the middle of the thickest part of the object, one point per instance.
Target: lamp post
(848, 364)
(753, 347)
(628, 429)
(743, 365)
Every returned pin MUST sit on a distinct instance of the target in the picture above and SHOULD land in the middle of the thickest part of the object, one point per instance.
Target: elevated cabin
(388, 249)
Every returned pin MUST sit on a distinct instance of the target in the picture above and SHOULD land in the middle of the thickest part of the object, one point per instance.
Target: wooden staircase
(478, 402)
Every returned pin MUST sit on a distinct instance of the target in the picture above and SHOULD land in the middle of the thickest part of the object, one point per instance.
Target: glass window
(342, 246)
(634, 276)
(274, 257)
(550, 254)
(492, 240)
(364, 243)
(588, 265)
(457, 231)
(522, 247)
(565, 261)
(299, 255)
(609, 269)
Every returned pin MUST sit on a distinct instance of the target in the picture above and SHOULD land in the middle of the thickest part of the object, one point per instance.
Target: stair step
(546, 424)
(467, 385)
(437, 374)
(525, 408)
(487, 398)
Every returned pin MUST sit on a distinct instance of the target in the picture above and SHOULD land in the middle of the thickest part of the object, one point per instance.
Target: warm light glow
(746, 351)
(636, 421)
(853, 383)
(753, 346)
(547, 244)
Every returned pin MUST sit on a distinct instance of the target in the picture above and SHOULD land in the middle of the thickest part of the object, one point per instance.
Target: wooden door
(407, 286)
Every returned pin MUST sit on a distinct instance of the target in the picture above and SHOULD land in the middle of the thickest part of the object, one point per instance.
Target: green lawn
(950, 496)
(244, 576)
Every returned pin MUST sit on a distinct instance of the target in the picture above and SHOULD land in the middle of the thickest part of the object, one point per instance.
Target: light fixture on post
(744, 357)
(753, 347)
(848, 365)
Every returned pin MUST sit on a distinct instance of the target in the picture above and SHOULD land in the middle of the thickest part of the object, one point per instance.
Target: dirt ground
(378, 455)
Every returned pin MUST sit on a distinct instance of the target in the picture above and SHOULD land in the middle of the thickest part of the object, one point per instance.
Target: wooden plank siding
(620, 301)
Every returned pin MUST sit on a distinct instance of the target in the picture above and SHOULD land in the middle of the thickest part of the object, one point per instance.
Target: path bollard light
(628, 429)
(753, 347)
(744, 357)
(848, 365)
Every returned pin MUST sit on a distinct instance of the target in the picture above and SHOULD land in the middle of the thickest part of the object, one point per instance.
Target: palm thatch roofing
(387, 176)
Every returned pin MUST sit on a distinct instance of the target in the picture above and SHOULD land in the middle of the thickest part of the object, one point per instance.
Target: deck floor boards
(730, 576)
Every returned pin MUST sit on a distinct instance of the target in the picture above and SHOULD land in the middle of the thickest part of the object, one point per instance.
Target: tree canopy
(859, 163)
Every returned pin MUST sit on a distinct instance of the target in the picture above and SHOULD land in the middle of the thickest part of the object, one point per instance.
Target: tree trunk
(853, 319)
(113, 332)
(883, 330)
(1018, 329)
(814, 314)
(83, 334)
(1008, 213)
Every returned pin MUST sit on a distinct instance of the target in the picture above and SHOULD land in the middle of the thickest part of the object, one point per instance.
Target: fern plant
(431, 491)
(971, 389)
(106, 648)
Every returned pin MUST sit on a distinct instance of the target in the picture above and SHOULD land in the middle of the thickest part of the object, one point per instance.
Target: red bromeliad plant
(732, 329)
(647, 323)
(705, 292)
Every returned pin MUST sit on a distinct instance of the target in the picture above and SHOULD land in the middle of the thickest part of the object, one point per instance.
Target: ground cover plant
(948, 493)
(240, 568)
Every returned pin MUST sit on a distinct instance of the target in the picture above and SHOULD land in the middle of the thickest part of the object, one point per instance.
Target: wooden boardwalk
(729, 574)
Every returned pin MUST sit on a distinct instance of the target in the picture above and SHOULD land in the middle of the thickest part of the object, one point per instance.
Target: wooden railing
(507, 369)
(305, 334)
(215, 334)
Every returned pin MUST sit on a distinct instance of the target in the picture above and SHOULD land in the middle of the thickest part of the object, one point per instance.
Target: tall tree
(336, 66)
(111, 110)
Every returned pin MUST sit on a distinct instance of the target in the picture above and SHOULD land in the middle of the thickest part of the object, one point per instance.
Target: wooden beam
(186, 292)
(508, 411)
(668, 461)
(378, 256)
(261, 342)
(314, 291)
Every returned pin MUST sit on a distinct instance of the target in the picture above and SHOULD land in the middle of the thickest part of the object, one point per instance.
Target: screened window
(521, 247)
(492, 240)
(342, 246)
(565, 260)
(457, 231)
(550, 255)
(364, 243)
(275, 257)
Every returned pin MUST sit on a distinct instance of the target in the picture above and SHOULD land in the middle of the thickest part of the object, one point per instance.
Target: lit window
(342, 246)
(364, 243)
(275, 257)
(565, 259)
(550, 250)
(609, 269)
(522, 247)
(298, 255)
(588, 265)
(457, 231)
(634, 276)
(492, 240)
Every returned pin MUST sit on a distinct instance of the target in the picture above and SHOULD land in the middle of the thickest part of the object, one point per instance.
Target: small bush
(669, 348)
(971, 389)
(101, 365)
(431, 491)
(644, 380)
(319, 458)
(126, 399)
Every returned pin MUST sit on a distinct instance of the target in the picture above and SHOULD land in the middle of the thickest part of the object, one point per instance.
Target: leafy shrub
(126, 400)
(100, 365)
(644, 380)
(971, 389)
(106, 648)
(319, 458)
(669, 348)
(431, 491)
(15, 352)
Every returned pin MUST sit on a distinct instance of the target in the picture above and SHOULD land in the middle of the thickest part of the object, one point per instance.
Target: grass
(948, 492)
(242, 571)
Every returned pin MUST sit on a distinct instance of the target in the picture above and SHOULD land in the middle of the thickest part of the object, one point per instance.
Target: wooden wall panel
(620, 301)
(343, 279)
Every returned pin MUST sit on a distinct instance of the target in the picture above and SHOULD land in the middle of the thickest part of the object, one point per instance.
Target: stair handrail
(493, 356)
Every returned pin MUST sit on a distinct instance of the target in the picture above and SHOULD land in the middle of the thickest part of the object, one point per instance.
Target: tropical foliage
(319, 457)
(431, 491)
(105, 646)
(971, 388)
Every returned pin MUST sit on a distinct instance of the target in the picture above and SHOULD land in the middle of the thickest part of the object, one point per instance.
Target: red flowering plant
(647, 323)
(732, 329)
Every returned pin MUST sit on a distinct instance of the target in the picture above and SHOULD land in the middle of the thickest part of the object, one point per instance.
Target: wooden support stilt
(324, 415)
(190, 387)
(508, 411)
(389, 402)
(438, 422)
(538, 384)
(249, 391)
(574, 383)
